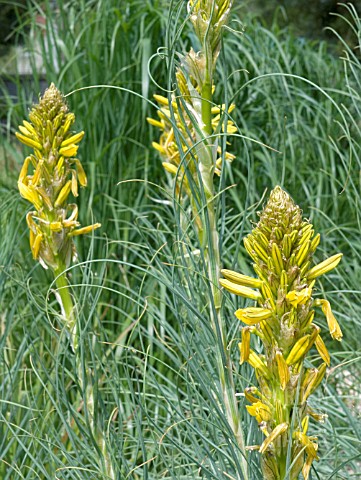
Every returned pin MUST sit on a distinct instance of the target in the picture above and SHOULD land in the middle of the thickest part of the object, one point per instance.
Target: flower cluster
(282, 246)
(185, 107)
(55, 174)
(208, 19)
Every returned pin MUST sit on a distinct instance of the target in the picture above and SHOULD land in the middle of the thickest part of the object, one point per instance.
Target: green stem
(225, 371)
(67, 306)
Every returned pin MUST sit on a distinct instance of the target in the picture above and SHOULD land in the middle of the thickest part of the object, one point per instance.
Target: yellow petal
(81, 174)
(242, 279)
(169, 167)
(73, 139)
(162, 100)
(333, 325)
(29, 194)
(244, 346)
(69, 151)
(283, 371)
(28, 141)
(322, 350)
(260, 411)
(84, 230)
(63, 195)
(155, 123)
(279, 430)
(324, 267)
(240, 290)
(299, 298)
(298, 350)
(253, 315)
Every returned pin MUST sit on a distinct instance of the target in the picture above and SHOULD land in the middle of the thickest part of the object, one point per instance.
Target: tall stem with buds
(196, 85)
(281, 247)
(53, 224)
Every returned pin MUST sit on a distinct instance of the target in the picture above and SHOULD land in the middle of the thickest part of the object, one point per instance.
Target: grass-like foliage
(143, 395)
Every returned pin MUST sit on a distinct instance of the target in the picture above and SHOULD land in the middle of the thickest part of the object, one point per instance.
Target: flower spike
(281, 247)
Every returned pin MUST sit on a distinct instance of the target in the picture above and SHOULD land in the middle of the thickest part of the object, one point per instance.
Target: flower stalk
(199, 122)
(282, 246)
(56, 174)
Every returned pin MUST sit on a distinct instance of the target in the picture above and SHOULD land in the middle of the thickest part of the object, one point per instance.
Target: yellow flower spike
(28, 141)
(260, 411)
(333, 325)
(240, 279)
(84, 230)
(299, 298)
(283, 371)
(244, 346)
(322, 350)
(299, 350)
(279, 430)
(63, 195)
(69, 151)
(74, 139)
(324, 267)
(240, 290)
(30, 194)
(80, 171)
(253, 315)
(258, 364)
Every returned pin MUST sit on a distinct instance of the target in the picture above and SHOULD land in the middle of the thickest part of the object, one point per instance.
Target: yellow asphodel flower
(55, 175)
(176, 160)
(281, 247)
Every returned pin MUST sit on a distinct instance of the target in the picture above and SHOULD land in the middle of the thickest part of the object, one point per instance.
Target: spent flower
(282, 246)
